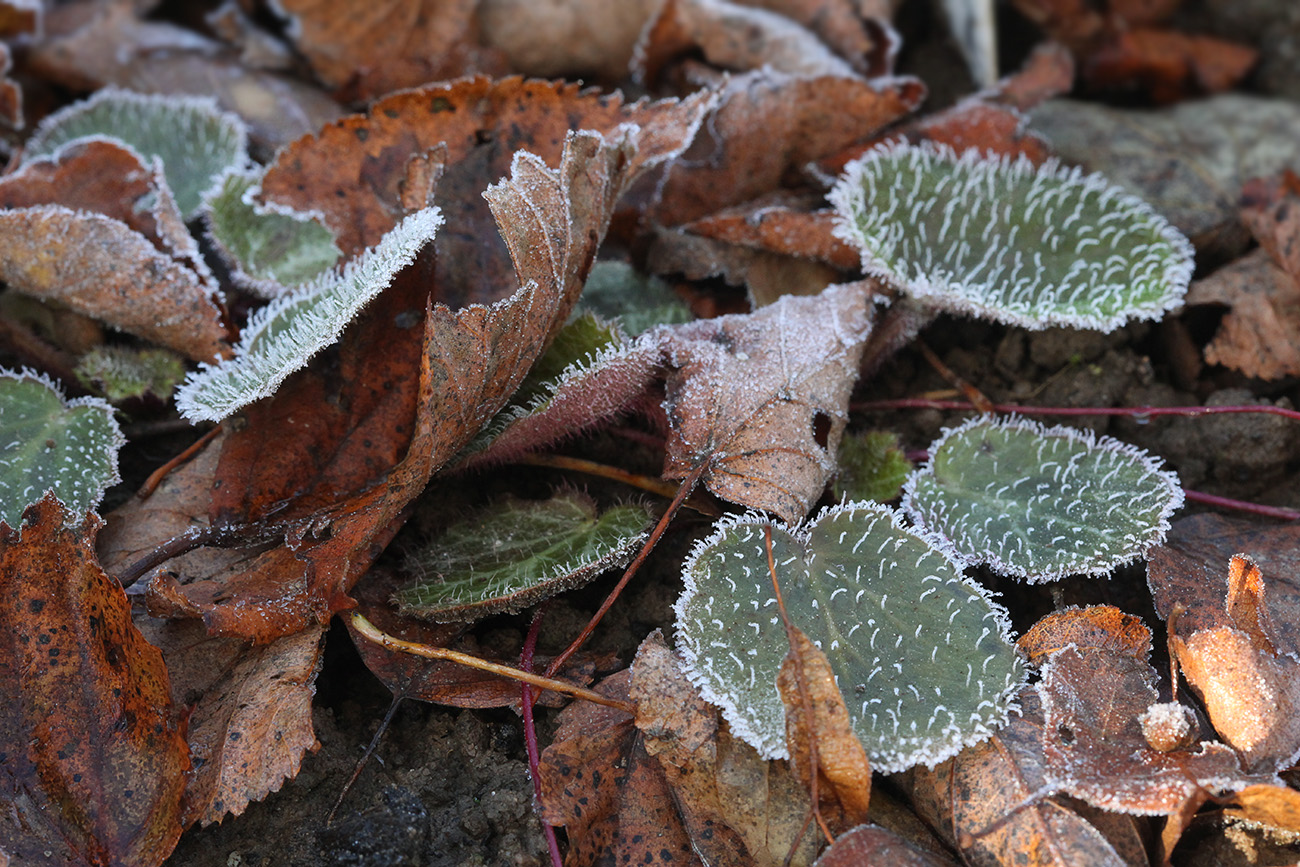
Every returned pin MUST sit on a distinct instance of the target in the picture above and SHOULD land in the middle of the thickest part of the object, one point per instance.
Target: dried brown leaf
(568, 39)
(769, 125)
(1275, 806)
(1269, 209)
(95, 755)
(1260, 335)
(364, 50)
(100, 267)
(871, 844)
(762, 398)
(844, 772)
(250, 722)
(1167, 64)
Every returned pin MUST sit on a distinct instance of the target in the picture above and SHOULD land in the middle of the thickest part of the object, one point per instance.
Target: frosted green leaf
(639, 301)
(1010, 241)
(282, 336)
(266, 249)
(921, 654)
(193, 137)
(1042, 503)
(50, 443)
(125, 372)
(872, 467)
(517, 553)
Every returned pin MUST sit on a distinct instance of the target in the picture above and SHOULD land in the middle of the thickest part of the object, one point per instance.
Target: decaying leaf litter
(399, 395)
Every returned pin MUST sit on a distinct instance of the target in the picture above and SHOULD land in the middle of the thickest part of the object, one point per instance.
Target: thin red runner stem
(1132, 411)
(530, 728)
(688, 485)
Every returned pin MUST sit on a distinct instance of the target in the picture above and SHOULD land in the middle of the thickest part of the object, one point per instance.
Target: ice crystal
(282, 336)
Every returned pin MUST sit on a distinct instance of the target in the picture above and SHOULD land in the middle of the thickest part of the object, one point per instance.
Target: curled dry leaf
(95, 755)
(570, 39)
(349, 174)
(1234, 635)
(769, 124)
(1095, 689)
(842, 765)
(762, 398)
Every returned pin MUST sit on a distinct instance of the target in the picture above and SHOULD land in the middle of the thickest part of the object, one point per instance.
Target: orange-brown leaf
(871, 844)
(842, 765)
(95, 756)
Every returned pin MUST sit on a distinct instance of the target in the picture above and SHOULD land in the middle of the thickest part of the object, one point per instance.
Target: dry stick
(688, 484)
(617, 474)
(530, 728)
(393, 704)
(369, 630)
(973, 394)
(156, 477)
(814, 767)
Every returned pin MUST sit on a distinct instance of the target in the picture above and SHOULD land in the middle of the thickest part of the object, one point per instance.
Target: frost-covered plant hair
(1041, 503)
(49, 443)
(1008, 240)
(921, 654)
(282, 336)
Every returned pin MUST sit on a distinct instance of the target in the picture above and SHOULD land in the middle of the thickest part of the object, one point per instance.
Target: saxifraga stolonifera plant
(922, 654)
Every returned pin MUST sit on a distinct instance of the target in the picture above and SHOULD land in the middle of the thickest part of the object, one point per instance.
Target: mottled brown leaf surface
(94, 751)
(871, 844)
(352, 170)
(1260, 335)
(62, 240)
(763, 398)
(844, 772)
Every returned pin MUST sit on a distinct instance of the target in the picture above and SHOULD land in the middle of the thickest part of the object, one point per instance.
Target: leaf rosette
(921, 654)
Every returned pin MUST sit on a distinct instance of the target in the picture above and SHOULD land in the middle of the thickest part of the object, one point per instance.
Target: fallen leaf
(733, 36)
(990, 803)
(1260, 334)
(857, 30)
(95, 755)
(351, 171)
(364, 50)
(87, 46)
(1275, 806)
(871, 844)
(250, 717)
(791, 228)
(762, 398)
(569, 39)
(768, 125)
(1168, 64)
(842, 766)
(1268, 208)
(736, 807)
(598, 782)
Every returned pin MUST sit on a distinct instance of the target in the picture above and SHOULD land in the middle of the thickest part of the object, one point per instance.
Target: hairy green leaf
(282, 336)
(193, 137)
(124, 372)
(1010, 241)
(518, 552)
(1042, 503)
(872, 467)
(48, 443)
(922, 655)
(639, 301)
(266, 249)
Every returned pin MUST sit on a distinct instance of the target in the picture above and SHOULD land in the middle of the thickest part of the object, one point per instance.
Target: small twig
(156, 477)
(1242, 506)
(617, 474)
(219, 536)
(814, 767)
(973, 394)
(1138, 412)
(530, 728)
(683, 491)
(369, 630)
(365, 758)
